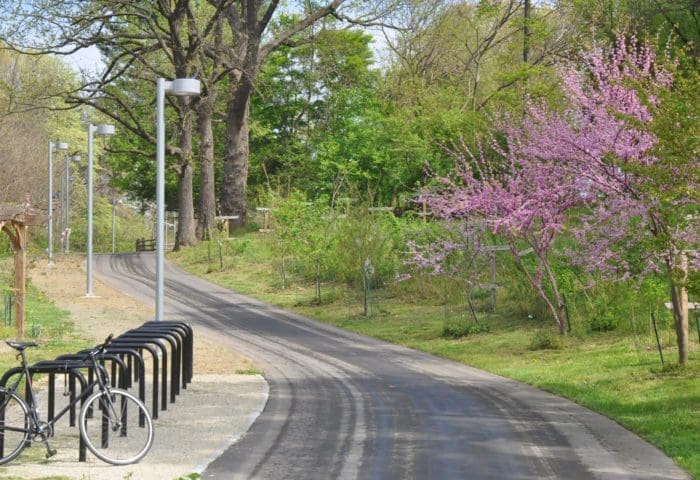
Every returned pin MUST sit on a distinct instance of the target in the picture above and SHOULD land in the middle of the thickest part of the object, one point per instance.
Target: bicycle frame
(35, 425)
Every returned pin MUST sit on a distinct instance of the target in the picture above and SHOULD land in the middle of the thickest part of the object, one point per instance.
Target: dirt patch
(112, 311)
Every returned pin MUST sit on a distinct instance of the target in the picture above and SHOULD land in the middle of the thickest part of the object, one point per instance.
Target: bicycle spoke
(14, 426)
(113, 433)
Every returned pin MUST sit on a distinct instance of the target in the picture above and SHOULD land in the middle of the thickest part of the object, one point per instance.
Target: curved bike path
(345, 406)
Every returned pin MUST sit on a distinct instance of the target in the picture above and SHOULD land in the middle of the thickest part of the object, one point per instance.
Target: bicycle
(120, 433)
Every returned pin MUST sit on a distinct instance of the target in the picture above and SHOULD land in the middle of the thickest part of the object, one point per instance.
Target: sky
(89, 59)
(86, 59)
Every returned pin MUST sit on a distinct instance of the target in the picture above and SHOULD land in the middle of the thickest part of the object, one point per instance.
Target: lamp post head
(59, 145)
(184, 87)
(74, 158)
(105, 130)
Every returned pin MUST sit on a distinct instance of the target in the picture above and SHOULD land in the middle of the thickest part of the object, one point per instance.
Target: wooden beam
(35, 219)
(9, 212)
(494, 248)
(28, 216)
(380, 209)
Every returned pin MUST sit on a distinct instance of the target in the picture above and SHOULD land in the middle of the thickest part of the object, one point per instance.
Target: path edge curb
(235, 437)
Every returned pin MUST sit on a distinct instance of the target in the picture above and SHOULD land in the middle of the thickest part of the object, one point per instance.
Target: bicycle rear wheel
(116, 427)
(14, 425)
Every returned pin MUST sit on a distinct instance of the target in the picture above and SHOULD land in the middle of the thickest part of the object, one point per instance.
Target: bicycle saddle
(20, 346)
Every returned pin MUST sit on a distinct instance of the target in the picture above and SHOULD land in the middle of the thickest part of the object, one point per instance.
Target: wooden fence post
(20, 276)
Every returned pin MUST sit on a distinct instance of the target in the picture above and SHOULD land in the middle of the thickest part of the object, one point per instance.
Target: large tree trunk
(679, 302)
(206, 222)
(185, 228)
(234, 187)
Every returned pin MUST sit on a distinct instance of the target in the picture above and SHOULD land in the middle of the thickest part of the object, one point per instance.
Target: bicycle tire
(110, 426)
(14, 425)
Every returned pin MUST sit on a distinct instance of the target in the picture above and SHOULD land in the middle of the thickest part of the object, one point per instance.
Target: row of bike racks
(170, 346)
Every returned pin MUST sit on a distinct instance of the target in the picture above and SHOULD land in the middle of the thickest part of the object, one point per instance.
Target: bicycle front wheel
(14, 425)
(116, 427)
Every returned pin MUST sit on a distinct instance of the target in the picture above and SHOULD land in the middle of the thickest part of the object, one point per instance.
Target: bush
(459, 330)
(239, 246)
(546, 340)
(368, 248)
(604, 322)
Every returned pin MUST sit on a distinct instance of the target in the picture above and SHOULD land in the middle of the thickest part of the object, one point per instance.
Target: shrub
(546, 340)
(604, 322)
(459, 330)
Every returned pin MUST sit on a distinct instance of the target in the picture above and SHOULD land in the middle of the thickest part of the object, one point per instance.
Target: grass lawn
(616, 374)
(45, 323)
(52, 329)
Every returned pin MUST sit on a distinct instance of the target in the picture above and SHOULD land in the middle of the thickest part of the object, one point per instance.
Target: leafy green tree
(674, 21)
(298, 102)
(245, 59)
(318, 239)
(305, 231)
(287, 227)
(367, 250)
(459, 65)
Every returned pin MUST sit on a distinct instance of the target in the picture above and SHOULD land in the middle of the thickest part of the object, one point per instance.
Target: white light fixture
(99, 130)
(105, 130)
(181, 87)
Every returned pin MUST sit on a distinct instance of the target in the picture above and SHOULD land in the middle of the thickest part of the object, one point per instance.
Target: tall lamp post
(57, 146)
(99, 130)
(66, 240)
(181, 87)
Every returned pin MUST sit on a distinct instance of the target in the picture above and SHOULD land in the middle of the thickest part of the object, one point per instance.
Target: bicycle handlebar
(99, 349)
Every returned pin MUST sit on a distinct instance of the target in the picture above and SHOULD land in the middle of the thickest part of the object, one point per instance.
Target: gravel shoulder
(214, 411)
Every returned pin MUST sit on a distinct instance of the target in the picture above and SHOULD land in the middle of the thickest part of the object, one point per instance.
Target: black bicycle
(115, 425)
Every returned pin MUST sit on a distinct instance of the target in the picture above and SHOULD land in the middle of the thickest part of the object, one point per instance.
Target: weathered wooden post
(20, 248)
(14, 221)
(266, 219)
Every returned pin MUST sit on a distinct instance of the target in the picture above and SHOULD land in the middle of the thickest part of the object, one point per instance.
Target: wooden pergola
(14, 220)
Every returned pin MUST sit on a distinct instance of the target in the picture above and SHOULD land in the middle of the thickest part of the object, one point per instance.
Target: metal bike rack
(188, 364)
(77, 361)
(158, 346)
(184, 337)
(158, 338)
(179, 334)
(186, 333)
(47, 368)
(126, 354)
(60, 367)
(139, 346)
(134, 362)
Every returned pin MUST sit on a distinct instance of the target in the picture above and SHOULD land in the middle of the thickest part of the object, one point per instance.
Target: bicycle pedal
(50, 453)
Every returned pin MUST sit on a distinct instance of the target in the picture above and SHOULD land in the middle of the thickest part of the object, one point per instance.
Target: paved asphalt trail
(343, 406)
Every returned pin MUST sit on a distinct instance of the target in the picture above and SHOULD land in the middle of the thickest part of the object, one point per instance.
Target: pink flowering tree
(451, 251)
(524, 202)
(601, 159)
(626, 134)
